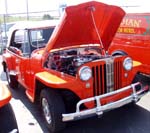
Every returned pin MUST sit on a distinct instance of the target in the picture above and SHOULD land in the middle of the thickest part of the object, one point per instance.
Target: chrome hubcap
(46, 110)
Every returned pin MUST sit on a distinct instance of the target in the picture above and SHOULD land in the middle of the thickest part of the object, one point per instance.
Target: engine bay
(67, 61)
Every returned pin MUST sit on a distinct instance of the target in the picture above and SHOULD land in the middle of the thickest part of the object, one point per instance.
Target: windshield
(40, 37)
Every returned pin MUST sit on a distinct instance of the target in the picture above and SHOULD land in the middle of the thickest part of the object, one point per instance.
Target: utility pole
(27, 9)
(5, 15)
(6, 7)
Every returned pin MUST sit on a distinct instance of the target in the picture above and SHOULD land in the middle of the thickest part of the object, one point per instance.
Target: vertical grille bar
(104, 78)
(117, 74)
(98, 80)
(94, 81)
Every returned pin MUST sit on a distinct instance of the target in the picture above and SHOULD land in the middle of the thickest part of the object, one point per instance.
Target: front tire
(53, 107)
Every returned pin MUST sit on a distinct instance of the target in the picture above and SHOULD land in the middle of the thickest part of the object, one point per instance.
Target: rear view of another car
(7, 118)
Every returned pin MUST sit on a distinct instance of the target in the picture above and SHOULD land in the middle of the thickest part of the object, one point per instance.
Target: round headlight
(85, 73)
(128, 63)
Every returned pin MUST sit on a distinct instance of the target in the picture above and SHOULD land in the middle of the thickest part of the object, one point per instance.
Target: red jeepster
(7, 118)
(73, 77)
(133, 39)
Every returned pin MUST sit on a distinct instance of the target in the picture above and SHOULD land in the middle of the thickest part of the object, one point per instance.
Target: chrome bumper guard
(99, 109)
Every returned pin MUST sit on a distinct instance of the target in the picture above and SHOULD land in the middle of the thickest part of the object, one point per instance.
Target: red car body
(73, 76)
(133, 39)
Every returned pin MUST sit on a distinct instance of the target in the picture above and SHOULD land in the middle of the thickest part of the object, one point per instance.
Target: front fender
(50, 79)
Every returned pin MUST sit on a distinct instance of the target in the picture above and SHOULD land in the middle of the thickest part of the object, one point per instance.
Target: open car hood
(87, 23)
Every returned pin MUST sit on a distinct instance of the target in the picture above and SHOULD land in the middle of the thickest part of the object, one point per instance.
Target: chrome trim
(99, 109)
(110, 74)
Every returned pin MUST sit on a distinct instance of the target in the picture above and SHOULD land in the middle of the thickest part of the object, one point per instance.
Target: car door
(23, 59)
(13, 53)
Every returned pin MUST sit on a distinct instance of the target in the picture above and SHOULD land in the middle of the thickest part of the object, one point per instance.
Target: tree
(47, 17)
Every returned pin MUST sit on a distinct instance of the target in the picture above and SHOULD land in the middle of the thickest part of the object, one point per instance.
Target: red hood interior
(77, 26)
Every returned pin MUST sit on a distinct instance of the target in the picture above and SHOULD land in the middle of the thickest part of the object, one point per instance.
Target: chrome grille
(99, 79)
(107, 76)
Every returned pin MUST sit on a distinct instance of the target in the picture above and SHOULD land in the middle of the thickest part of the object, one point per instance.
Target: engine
(68, 61)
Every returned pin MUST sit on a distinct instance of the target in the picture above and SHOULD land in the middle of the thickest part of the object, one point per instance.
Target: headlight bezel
(84, 76)
(128, 63)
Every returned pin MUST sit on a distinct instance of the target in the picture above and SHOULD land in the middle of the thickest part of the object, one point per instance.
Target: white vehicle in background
(4, 28)
(4, 31)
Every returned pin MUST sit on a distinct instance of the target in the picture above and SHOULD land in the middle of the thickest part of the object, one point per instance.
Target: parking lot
(127, 119)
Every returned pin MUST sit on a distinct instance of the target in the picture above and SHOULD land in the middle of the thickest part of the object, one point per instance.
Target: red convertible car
(71, 74)
(7, 118)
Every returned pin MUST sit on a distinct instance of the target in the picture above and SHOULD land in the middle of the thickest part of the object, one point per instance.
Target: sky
(15, 6)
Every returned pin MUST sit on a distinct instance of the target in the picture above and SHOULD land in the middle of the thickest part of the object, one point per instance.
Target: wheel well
(119, 52)
(70, 99)
(38, 87)
(143, 78)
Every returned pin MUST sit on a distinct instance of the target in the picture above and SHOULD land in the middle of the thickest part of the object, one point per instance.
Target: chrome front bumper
(99, 109)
